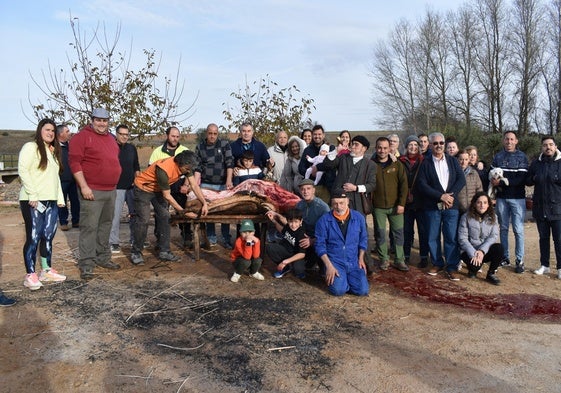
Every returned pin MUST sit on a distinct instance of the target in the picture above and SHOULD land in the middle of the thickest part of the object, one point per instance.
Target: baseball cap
(247, 226)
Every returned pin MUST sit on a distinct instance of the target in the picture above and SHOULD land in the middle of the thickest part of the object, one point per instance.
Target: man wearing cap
(94, 161)
(341, 241)
(389, 200)
(312, 209)
(356, 177)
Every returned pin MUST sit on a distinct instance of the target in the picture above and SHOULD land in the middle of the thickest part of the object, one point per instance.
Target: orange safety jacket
(147, 181)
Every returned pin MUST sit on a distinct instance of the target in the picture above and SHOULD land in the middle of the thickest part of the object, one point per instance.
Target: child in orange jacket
(246, 253)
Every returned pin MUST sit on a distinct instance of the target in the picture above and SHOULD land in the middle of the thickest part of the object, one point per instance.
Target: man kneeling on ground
(341, 241)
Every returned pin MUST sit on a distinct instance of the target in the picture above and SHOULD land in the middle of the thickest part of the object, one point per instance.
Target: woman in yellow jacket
(39, 198)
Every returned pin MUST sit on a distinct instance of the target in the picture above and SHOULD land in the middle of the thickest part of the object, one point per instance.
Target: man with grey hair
(394, 144)
(439, 181)
(214, 172)
(94, 161)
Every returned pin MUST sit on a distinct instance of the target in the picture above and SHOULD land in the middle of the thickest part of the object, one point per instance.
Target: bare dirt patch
(186, 327)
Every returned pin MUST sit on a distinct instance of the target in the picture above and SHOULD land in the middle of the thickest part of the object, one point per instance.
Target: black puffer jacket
(545, 175)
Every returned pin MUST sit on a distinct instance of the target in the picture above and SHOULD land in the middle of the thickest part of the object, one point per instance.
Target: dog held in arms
(495, 173)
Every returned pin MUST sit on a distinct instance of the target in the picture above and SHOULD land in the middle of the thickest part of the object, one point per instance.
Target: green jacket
(391, 184)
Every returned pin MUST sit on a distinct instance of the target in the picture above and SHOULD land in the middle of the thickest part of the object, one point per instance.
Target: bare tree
(99, 75)
(464, 38)
(434, 69)
(492, 53)
(393, 71)
(526, 48)
(551, 67)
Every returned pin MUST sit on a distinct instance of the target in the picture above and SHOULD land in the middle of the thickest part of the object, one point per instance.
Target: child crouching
(246, 253)
(287, 253)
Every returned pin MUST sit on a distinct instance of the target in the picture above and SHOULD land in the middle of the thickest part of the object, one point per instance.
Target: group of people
(431, 183)
(445, 190)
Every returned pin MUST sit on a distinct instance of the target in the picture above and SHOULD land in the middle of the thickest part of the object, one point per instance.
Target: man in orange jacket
(153, 187)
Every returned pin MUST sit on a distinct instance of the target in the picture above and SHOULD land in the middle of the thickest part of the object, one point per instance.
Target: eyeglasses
(124, 134)
(393, 141)
(438, 143)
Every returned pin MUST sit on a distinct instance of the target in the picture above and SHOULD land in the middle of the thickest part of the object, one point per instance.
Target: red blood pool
(416, 283)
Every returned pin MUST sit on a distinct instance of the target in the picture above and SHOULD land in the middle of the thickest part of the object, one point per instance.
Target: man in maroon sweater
(93, 156)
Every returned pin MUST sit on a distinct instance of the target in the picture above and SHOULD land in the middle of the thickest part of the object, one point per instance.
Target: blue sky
(323, 47)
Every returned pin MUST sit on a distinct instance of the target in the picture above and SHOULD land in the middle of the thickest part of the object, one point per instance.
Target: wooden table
(199, 228)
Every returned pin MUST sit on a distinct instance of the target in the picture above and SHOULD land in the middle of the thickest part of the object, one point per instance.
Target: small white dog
(495, 173)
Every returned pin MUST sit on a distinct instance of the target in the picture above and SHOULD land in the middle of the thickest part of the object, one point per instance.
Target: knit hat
(362, 140)
(247, 226)
(324, 147)
(411, 138)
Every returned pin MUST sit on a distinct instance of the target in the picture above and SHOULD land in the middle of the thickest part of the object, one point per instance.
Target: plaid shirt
(213, 161)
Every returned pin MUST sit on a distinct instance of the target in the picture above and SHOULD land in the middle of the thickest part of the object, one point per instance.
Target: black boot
(493, 279)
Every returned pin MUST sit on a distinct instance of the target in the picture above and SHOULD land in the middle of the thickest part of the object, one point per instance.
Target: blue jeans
(512, 210)
(545, 228)
(122, 196)
(210, 227)
(445, 221)
(351, 280)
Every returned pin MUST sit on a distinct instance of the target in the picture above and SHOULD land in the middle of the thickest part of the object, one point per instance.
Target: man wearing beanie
(356, 176)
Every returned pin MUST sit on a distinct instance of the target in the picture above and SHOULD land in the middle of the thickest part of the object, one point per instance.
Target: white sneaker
(257, 276)
(559, 274)
(51, 275)
(32, 282)
(235, 277)
(542, 270)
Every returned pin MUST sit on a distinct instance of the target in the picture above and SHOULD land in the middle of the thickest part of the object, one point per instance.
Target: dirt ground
(184, 327)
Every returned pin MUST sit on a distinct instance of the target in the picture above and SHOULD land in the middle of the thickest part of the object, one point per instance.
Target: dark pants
(70, 192)
(184, 228)
(278, 253)
(409, 217)
(142, 201)
(241, 265)
(545, 229)
(494, 257)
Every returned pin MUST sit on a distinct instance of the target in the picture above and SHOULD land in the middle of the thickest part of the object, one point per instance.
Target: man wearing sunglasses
(440, 179)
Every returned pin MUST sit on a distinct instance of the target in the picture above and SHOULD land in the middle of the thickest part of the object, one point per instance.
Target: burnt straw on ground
(231, 336)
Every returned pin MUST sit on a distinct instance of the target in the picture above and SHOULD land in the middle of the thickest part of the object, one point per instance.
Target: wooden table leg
(196, 241)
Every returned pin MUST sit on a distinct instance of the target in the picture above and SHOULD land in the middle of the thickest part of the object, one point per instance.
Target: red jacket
(244, 251)
(97, 157)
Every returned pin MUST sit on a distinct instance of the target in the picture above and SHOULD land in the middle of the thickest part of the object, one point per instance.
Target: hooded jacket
(545, 175)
